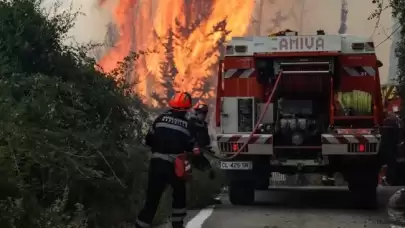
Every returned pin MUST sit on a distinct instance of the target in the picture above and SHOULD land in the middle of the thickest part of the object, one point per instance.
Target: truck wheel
(241, 192)
(363, 188)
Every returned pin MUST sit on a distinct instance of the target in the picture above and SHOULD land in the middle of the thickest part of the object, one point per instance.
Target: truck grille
(367, 148)
(231, 147)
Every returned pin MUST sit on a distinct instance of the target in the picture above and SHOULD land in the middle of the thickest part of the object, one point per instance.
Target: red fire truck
(278, 111)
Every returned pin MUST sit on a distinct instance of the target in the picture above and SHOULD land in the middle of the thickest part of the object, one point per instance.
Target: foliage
(398, 7)
(398, 11)
(202, 189)
(70, 151)
(177, 39)
(66, 128)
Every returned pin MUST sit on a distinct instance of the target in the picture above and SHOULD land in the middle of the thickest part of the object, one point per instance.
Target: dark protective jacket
(202, 135)
(171, 133)
(390, 139)
(203, 140)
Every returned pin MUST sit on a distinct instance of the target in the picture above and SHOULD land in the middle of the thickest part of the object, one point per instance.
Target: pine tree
(176, 38)
(205, 88)
(168, 68)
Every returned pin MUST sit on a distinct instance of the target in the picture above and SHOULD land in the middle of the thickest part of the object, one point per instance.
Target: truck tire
(241, 192)
(363, 188)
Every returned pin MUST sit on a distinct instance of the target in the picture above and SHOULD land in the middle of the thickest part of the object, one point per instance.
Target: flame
(151, 24)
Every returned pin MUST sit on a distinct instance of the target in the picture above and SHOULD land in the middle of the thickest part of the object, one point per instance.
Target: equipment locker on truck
(293, 103)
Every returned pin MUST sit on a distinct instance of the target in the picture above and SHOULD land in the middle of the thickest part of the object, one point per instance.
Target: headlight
(297, 139)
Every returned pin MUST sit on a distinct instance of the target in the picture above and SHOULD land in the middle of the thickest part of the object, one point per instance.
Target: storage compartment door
(238, 115)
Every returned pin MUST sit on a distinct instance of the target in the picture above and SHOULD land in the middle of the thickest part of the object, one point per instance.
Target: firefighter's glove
(196, 151)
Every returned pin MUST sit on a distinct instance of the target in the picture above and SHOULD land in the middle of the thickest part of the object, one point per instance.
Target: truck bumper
(363, 145)
(332, 144)
(258, 144)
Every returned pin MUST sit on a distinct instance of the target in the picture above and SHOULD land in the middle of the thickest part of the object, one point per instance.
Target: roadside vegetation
(70, 136)
(397, 7)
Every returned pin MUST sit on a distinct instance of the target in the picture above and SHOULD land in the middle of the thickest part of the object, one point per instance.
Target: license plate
(238, 165)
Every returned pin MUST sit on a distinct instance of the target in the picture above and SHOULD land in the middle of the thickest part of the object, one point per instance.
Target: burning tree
(187, 51)
(168, 69)
(203, 84)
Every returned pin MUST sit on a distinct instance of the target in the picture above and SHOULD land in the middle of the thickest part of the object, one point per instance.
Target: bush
(202, 190)
(64, 129)
(70, 151)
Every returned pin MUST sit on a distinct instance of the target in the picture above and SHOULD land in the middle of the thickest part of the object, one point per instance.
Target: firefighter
(200, 112)
(198, 116)
(390, 139)
(169, 137)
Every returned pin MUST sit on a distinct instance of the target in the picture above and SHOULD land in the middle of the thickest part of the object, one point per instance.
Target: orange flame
(147, 25)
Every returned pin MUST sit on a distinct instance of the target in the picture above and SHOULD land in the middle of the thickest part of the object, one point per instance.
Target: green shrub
(202, 189)
(64, 128)
(70, 151)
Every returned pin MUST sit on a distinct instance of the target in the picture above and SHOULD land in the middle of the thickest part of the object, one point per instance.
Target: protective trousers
(161, 173)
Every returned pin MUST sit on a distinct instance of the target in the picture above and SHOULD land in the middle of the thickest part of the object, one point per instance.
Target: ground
(305, 207)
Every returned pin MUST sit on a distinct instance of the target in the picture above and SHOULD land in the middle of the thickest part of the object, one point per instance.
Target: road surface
(306, 207)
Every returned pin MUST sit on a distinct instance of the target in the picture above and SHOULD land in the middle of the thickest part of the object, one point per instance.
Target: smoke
(308, 16)
(91, 24)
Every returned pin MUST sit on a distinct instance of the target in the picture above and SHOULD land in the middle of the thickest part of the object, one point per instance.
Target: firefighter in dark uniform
(198, 116)
(200, 113)
(170, 136)
(390, 140)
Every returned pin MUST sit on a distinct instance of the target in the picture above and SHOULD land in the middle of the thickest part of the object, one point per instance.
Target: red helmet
(201, 107)
(181, 100)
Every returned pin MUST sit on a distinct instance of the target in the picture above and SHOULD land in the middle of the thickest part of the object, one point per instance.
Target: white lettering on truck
(303, 43)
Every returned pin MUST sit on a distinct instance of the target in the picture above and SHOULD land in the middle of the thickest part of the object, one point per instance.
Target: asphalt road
(305, 207)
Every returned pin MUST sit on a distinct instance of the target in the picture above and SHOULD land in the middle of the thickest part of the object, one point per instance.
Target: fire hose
(259, 120)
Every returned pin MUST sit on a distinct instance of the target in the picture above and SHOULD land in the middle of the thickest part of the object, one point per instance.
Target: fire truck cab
(293, 103)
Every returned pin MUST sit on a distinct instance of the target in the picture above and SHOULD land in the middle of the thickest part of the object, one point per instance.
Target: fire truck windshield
(295, 107)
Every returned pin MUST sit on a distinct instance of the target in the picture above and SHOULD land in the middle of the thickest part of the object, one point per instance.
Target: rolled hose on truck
(259, 121)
